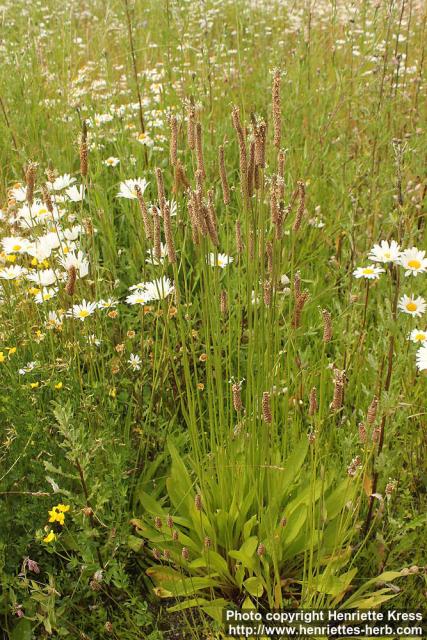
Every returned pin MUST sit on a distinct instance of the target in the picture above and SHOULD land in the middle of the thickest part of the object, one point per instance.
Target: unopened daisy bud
(71, 280)
(174, 140)
(185, 554)
(261, 550)
(237, 397)
(158, 522)
(267, 293)
(207, 542)
(301, 206)
(169, 521)
(372, 411)
(47, 200)
(362, 433)
(266, 408)
(277, 115)
(312, 402)
(170, 246)
(156, 554)
(198, 502)
(148, 228)
(191, 126)
(30, 179)
(223, 176)
(327, 326)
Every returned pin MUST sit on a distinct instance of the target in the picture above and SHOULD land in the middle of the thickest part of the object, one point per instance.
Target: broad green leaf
(254, 586)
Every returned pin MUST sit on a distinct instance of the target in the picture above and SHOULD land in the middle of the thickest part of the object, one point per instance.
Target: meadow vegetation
(213, 338)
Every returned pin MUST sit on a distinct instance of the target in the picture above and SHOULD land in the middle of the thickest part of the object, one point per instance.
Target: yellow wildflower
(50, 537)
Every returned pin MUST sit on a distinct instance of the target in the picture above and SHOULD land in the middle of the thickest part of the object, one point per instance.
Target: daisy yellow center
(16, 247)
(83, 313)
(42, 212)
(110, 161)
(420, 337)
(386, 254)
(414, 264)
(17, 185)
(220, 262)
(368, 271)
(411, 306)
(47, 296)
(142, 136)
(140, 300)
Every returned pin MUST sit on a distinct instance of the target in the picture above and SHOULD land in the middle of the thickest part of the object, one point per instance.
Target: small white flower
(18, 193)
(45, 295)
(12, 272)
(43, 277)
(82, 311)
(159, 289)
(54, 320)
(76, 194)
(111, 162)
(385, 252)
(418, 336)
(411, 305)
(110, 303)
(135, 362)
(28, 367)
(139, 297)
(78, 261)
(61, 182)
(421, 358)
(413, 261)
(219, 260)
(156, 261)
(15, 244)
(127, 188)
(371, 272)
(93, 340)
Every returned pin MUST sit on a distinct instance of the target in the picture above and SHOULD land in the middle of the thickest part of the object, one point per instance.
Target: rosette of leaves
(283, 538)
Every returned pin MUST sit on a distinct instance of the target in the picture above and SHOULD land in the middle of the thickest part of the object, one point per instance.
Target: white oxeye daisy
(173, 207)
(421, 358)
(111, 162)
(18, 192)
(385, 252)
(54, 320)
(15, 244)
(76, 194)
(43, 277)
(39, 250)
(93, 340)
(414, 306)
(219, 260)
(159, 289)
(127, 188)
(12, 272)
(413, 261)
(156, 261)
(139, 297)
(82, 311)
(45, 295)
(371, 272)
(61, 182)
(78, 261)
(418, 336)
(110, 303)
(135, 362)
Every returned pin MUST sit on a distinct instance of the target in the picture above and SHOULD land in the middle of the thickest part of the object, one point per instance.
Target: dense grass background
(94, 434)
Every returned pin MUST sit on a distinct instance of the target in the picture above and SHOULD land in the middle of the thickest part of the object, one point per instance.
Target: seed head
(198, 502)
(313, 402)
(327, 326)
(266, 407)
(372, 411)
